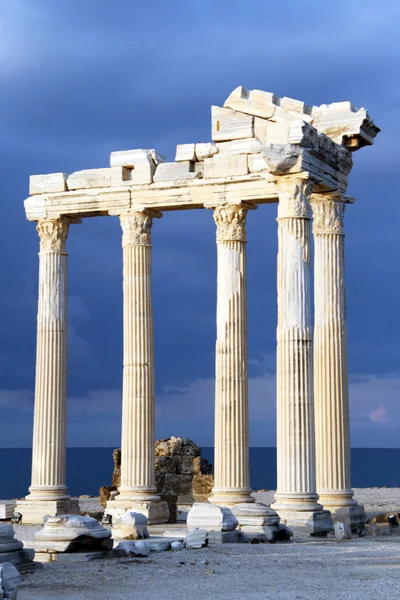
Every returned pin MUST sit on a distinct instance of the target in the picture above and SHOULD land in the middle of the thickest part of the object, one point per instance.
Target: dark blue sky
(83, 78)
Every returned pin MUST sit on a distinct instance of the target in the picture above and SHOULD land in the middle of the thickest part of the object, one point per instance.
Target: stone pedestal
(12, 551)
(296, 499)
(257, 519)
(48, 491)
(331, 390)
(231, 468)
(138, 492)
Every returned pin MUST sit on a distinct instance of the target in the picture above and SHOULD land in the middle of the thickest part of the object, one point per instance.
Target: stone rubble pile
(183, 476)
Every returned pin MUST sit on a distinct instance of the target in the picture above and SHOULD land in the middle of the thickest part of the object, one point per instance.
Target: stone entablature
(257, 138)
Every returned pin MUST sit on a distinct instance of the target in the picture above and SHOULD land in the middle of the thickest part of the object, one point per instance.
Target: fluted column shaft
(138, 411)
(330, 355)
(231, 469)
(49, 433)
(296, 486)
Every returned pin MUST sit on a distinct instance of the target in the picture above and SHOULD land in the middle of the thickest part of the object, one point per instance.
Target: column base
(296, 503)
(34, 510)
(156, 511)
(231, 496)
(306, 522)
(343, 508)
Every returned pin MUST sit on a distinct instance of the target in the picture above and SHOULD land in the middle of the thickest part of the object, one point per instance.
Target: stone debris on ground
(131, 526)
(7, 510)
(9, 581)
(139, 548)
(342, 531)
(11, 549)
(177, 545)
(196, 539)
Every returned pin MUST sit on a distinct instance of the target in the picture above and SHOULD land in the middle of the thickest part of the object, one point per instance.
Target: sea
(90, 468)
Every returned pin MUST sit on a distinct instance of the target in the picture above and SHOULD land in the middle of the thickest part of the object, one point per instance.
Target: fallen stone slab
(159, 545)
(196, 539)
(128, 548)
(211, 517)
(131, 526)
(226, 537)
(9, 581)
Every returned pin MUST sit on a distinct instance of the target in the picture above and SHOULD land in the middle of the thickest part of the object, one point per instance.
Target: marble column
(138, 486)
(231, 461)
(331, 390)
(48, 490)
(296, 500)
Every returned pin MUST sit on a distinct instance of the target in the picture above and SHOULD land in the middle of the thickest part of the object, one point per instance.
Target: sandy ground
(361, 568)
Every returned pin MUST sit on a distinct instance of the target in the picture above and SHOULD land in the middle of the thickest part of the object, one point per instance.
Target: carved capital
(136, 227)
(294, 198)
(53, 234)
(328, 213)
(231, 222)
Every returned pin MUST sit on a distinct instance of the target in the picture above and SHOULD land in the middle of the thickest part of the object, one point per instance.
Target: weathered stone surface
(177, 485)
(159, 545)
(243, 146)
(257, 163)
(47, 184)
(139, 548)
(9, 581)
(211, 517)
(174, 171)
(116, 478)
(254, 102)
(93, 178)
(202, 486)
(225, 165)
(196, 539)
(265, 533)
(175, 446)
(230, 125)
(205, 150)
(131, 526)
(185, 152)
(342, 531)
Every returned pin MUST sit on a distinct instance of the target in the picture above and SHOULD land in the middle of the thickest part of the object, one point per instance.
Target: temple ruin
(264, 149)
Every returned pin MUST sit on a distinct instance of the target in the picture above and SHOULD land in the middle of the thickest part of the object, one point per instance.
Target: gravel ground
(316, 570)
(306, 569)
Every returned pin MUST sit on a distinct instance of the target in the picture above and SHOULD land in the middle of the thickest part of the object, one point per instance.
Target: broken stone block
(72, 533)
(159, 545)
(7, 541)
(244, 146)
(254, 102)
(92, 178)
(7, 509)
(177, 546)
(255, 514)
(140, 548)
(257, 163)
(282, 158)
(138, 164)
(205, 150)
(225, 165)
(342, 531)
(9, 581)
(284, 532)
(196, 539)
(185, 152)
(131, 526)
(211, 517)
(47, 184)
(175, 171)
(226, 537)
(230, 125)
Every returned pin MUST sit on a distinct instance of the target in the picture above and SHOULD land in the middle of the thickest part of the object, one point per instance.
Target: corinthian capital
(53, 234)
(231, 222)
(136, 227)
(294, 198)
(328, 213)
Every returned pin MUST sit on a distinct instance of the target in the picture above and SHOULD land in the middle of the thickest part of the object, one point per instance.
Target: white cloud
(379, 415)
